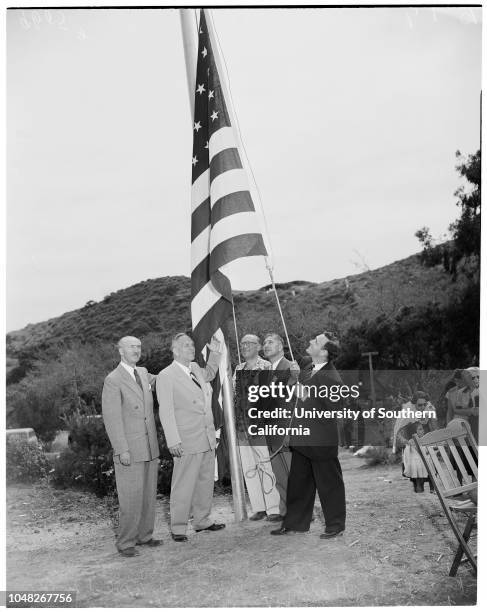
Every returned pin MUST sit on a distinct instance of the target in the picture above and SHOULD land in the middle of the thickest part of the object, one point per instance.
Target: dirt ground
(397, 550)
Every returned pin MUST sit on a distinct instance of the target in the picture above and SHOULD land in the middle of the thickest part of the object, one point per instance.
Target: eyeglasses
(243, 344)
(421, 405)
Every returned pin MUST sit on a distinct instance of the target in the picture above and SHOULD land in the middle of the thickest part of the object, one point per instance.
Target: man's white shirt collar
(276, 363)
(318, 366)
(184, 368)
(129, 369)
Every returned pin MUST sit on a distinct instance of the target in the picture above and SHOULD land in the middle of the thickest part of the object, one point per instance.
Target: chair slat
(467, 488)
(441, 435)
(458, 461)
(468, 455)
(438, 467)
(449, 466)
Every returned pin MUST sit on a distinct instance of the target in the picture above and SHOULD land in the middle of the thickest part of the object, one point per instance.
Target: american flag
(224, 224)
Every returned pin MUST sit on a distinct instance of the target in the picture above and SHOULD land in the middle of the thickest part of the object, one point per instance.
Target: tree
(56, 387)
(466, 229)
(463, 250)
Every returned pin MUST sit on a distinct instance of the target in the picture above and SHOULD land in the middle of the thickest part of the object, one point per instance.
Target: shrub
(87, 463)
(92, 472)
(25, 462)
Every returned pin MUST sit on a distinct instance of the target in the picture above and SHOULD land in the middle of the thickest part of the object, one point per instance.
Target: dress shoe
(129, 552)
(214, 527)
(258, 516)
(285, 531)
(150, 543)
(331, 534)
(179, 537)
(274, 518)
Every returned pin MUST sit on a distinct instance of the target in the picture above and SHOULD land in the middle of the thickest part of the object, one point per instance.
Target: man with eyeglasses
(254, 454)
(285, 372)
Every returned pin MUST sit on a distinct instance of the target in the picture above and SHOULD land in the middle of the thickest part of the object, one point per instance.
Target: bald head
(127, 340)
(130, 349)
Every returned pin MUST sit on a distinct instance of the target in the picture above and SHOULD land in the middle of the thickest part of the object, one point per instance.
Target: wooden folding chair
(439, 451)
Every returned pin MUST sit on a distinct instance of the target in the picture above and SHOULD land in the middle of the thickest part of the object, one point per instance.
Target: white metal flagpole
(189, 28)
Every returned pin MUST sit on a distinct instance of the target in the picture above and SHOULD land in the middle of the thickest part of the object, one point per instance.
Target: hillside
(162, 305)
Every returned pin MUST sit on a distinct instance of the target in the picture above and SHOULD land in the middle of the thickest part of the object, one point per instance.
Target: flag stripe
(211, 320)
(227, 183)
(231, 249)
(202, 302)
(200, 189)
(200, 247)
(210, 238)
(237, 202)
(224, 253)
(224, 138)
(200, 219)
(226, 160)
(200, 275)
(237, 224)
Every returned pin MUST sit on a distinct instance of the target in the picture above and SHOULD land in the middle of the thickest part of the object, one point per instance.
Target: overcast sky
(350, 118)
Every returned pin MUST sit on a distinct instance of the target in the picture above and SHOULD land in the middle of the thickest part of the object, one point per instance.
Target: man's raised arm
(211, 368)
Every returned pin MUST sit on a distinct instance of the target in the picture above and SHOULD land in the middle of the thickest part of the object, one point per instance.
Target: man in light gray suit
(185, 412)
(128, 415)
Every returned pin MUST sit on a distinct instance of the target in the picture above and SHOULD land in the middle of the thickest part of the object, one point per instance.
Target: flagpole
(271, 276)
(236, 333)
(189, 29)
(190, 41)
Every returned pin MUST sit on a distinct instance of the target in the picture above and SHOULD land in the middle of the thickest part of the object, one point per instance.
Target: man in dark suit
(128, 416)
(285, 371)
(314, 464)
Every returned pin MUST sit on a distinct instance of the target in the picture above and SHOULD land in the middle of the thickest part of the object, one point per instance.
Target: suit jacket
(128, 414)
(242, 379)
(322, 443)
(266, 377)
(184, 408)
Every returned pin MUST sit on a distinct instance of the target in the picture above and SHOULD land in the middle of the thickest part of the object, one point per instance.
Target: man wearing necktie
(187, 419)
(314, 463)
(128, 415)
(281, 371)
